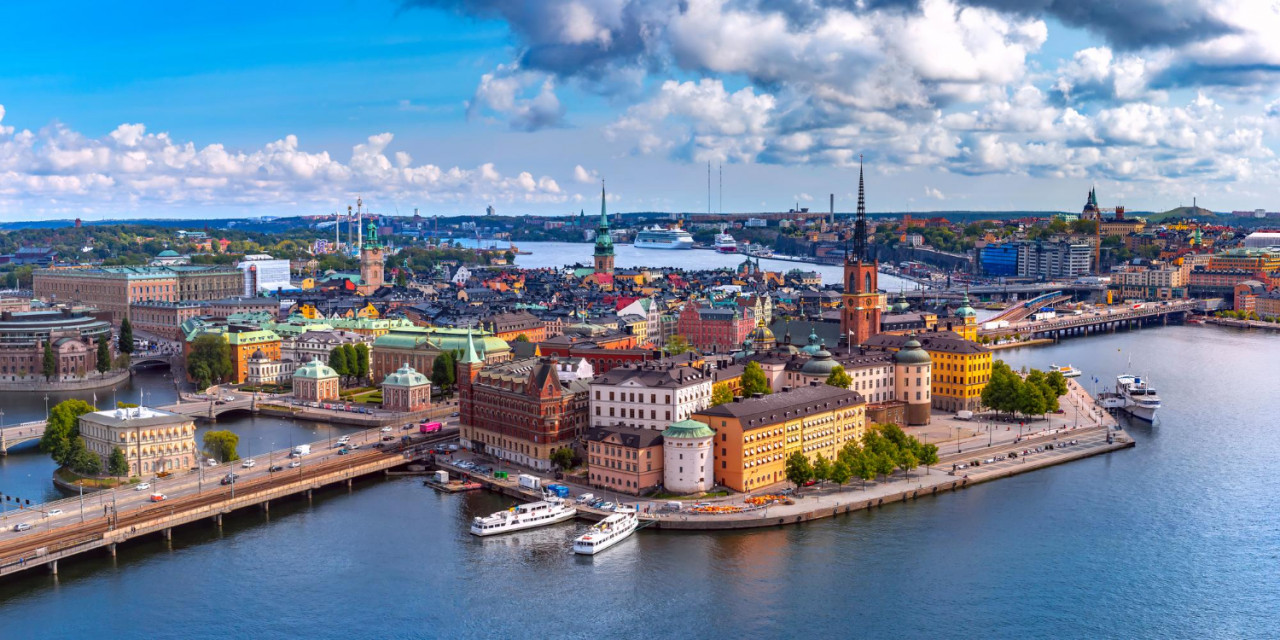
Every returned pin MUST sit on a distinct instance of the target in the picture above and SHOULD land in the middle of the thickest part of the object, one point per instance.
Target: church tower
(604, 242)
(371, 261)
(860, 315)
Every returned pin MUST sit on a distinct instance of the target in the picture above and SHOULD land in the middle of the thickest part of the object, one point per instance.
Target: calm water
(1177, 538)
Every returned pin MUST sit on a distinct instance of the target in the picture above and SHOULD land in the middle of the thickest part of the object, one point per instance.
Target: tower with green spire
(371, 262)
(604, 242)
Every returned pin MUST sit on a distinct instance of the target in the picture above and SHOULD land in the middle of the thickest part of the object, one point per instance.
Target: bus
(429, 427)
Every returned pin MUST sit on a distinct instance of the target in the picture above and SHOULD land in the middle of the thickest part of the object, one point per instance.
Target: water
(1175, 538)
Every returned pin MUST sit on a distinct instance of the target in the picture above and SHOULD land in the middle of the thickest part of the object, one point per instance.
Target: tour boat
(1140, 400)
(725, 243)
(550, 510)
(1067, 371)
(656, 237)
(608, 532)
(759, 251)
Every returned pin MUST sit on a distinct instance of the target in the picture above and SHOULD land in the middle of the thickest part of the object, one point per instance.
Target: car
(1013, 454)
(386, 429)
(22, 526)
(53, 512)
(164, 474)
(211, 462)
(249, 464)
(989, 461)
(352, 445)
(454, 414)
(344, 439)
(274, 468)
(159, 497)
(229, 478)
(608, 506)
(406, 427)
(142, 486)
(344, 451)
(810, 483)
(295, 464)
(388, 438)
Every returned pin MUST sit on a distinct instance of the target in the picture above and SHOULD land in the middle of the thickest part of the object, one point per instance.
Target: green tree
(49, 366)
(126, 336)
(799, 471)
(117, 465)
(1058, 383)
(821, 469)
(209, 361)
(443, 373)
(839, 379)
(883, 464)
(522, 338)
(841, 473)
(353, 360)
(927, 454)
(402, 278)
(864, 468)
(82, 460)
(677, 345)
(221, 445)
(754, 380)
(338, 361)
(62, 429)
(720, 394)
(562, 457)
(907, 460)
(362, 361)
(103, 363)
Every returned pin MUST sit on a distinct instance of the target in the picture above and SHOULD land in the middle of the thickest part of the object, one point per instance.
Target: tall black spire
(860, 225)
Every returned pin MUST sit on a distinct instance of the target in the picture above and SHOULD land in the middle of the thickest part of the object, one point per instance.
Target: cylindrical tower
(687, 457)
(912, 379)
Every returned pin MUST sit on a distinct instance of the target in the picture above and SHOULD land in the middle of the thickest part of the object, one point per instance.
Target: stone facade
(152, 440)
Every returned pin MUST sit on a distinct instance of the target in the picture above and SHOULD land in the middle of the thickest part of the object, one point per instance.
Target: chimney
(737, 398)
(786, 389)
(757, 396)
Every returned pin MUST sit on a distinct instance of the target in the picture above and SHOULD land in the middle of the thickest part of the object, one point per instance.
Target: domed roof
(901, 306)
(167, 253)
(761, 334)
(813, 347)
(820, 364)
(258, 355)
(912, 353)
(315, 370)
(965, 311)
(406, 376)
(687, 429)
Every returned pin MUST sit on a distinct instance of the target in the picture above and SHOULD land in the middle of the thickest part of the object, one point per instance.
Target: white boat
(608, 532)
(1140, 400)
(725, 243)
(550, 510)
(656, 237)
(759, 251)
(1067, 371)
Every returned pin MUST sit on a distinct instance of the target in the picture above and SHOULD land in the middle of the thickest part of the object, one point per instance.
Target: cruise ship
(656, 237)
(725, 243)
(550, 510)
(608, 532)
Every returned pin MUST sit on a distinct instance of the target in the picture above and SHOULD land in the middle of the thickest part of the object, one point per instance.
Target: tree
(821, 469)
(907, 460)
(362, 361)
(338, 361)
(210, 360)
(884, 464)
(62, 429)
(754, 380)
(222, 445)
(443, 373)
(677, 345)
(117, 465)
(522, 338)
(562, 457)
(1058, 382)
(82, 460)
(720, 394)
(799, 471)
(126, 336)
(927, 454)
(840, 472)
(839, 378)
(50, 364)
(402, 278)
(353, 360)
(864, 469)
(103, 363)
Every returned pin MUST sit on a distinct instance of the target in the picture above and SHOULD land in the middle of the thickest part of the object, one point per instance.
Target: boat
(759, 251)
(608, 532)
(549, 510)
(657, 237)
(725, 243)
(1139, 399)
(1067, 371)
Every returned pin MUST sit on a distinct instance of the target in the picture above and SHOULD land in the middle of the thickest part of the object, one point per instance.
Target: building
(152, 440)
(999, 260)
(1052, 260)
(315, 381)
(964, 323)
(688, 457)
(1262, 240)
(371, 262)
(262, 370)
(711, 329)
(74, 337)
(227, 307)
(860, 304)
(754, 436)
(406, 390)
(162, 318)
(624, 459)
(519, 410)
(169, 257)
(419, 346)
(318, 343)
(262, 273)
(114, 289)
(960, 369)
(651, 395)
(245, 344)
(509, 326)
(603, 254)
(1151, 282)
(207, 282)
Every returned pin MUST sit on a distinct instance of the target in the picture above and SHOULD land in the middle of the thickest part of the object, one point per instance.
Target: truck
(527, 481)
(964, 415)
(302, 450)
(558, 490)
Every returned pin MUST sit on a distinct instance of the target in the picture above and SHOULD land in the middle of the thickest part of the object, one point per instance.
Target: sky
(231, 109)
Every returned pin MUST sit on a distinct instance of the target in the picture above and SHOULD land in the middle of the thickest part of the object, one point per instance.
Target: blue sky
(175, 110)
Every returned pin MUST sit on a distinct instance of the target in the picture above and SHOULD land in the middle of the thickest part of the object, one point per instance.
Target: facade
(714, 329)
(317, 344)
(262, 273)
(263, 370)
(960, 368)
(624, 459)
(263, 343)
(152, 440)
(114, 289)
(1053, 260)
(406, 390)
(649, 396)
(509, 326)
(74, 338)
(315, 381)
(754, 436)
(202, 283)
(163, 318)
(688, 457)
(1000, 260)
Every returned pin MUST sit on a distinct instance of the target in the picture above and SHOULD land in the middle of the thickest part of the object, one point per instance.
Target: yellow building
(961, 368)
(964, 323)
(754, 436)
(152, 440)
(1251, 260)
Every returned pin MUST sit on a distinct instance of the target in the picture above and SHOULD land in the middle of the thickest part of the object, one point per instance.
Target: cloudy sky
(237, 108)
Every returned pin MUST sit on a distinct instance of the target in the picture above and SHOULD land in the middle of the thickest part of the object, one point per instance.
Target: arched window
(866, 288)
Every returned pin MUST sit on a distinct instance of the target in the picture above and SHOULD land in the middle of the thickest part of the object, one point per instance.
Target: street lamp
(46, 407)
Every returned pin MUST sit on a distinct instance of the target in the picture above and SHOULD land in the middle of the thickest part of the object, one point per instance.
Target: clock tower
(860, 313)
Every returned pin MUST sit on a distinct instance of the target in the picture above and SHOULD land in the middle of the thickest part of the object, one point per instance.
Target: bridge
(19, 434)
(154, 359)
(1097, 321)
(102, 520)
(1019, 312)
(1009, 290)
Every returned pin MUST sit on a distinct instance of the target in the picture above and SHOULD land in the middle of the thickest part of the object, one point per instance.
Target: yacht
(1139, 399)
(656, 237)
(549, 510)
(608, 532)
(1067, 371)
(725, 243)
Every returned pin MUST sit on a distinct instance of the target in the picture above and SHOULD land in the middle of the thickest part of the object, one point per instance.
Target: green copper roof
(965, 311)
(688, 429)
(470, 356)
(315, 370)
(912, 353)
(406, 376)
(604, 242)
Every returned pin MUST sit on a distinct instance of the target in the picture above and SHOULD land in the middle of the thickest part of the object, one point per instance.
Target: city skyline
(450, 106)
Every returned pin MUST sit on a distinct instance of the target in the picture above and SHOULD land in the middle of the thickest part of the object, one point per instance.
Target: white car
(211, 462)
(386, 429)
(249, 464)
(295, 464)
(142, 486)
(344, 439)
(53, 512)
(22, 526)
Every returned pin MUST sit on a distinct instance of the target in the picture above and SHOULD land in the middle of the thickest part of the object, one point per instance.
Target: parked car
(142, 486)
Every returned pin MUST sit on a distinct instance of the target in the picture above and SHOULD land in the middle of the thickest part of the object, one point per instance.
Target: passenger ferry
(608, 532)
(1067, 371)
(1140, 400)
(725, 243)
(550, 510)
(656, 237)
(759, 251)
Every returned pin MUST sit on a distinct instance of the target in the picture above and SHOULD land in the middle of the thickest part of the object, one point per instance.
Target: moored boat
(608, 532)
(656, 237)
(549, 510)
(1067, 371)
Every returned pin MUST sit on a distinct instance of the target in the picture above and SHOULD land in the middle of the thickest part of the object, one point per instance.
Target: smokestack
(833, 208)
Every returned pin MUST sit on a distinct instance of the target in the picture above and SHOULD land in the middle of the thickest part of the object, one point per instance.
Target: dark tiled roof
(940, 341)
(754, 413)
(632, 437)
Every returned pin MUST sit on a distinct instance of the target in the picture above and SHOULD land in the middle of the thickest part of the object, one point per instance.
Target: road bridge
(19, 434)
(154, 359)
(1104, 320)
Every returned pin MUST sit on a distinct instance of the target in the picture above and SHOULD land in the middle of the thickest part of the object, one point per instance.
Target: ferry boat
(608, 532)
(656, 237)
(1140, 400)
(725, 243)
(549, 510)
(1067, 371)
(759, 251)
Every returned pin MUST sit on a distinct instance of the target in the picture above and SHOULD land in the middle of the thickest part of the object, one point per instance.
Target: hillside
(1199, 213)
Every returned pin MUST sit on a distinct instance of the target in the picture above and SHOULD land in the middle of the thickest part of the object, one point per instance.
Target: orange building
(624, 459)
(244, 344)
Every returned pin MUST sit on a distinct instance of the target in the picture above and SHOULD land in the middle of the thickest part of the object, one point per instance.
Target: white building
(650, 395)
(688, 463)
(264, 273)
(317, 344)
(648, 309)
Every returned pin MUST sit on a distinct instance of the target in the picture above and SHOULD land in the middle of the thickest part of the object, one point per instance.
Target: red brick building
(709, 328)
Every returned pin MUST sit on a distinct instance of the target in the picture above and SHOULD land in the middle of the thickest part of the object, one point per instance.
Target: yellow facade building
(961, 368)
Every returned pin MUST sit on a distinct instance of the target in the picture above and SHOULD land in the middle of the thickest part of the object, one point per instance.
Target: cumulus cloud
(133, 168)
(581, 174)
(932, 192)
(526, 99)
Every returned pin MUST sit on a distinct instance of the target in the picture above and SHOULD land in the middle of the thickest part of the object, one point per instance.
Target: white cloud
(581, 174)
(932, 192)
(506, 92)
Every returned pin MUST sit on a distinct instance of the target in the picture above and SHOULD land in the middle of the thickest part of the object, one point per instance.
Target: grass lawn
(66, 475)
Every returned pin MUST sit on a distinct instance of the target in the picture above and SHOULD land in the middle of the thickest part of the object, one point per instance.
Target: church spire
(860, 224)
(604, 216)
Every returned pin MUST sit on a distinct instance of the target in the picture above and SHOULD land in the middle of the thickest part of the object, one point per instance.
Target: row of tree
(883, 449)
(350, 361)
(1036, 394)
(63, 443)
